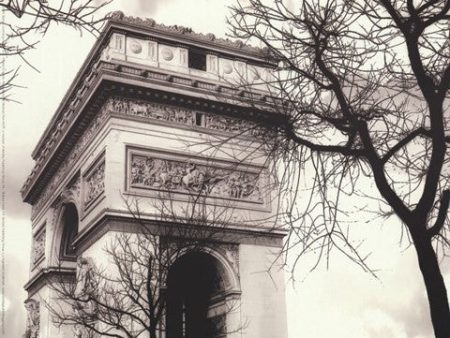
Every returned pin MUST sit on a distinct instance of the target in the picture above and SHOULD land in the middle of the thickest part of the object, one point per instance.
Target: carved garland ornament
(149, 172)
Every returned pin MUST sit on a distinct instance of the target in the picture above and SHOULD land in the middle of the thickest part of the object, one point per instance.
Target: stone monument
(139, 122)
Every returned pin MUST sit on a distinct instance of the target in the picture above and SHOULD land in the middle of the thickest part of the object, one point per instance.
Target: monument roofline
(174, 34)
(186, 36)
(97, 70)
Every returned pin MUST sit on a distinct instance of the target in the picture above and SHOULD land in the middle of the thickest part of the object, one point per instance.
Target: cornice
(47, 275)
(107, 79)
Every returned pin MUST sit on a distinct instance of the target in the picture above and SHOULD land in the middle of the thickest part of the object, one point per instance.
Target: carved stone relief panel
(148, 171)
(151, 110)
(94, 183)
(38, 248)
(33, 319)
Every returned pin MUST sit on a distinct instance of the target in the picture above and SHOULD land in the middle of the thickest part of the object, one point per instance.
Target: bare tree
(128, 297)
(365, 87)
(25, 22)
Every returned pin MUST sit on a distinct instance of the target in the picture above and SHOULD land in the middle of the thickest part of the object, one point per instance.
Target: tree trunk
(435, 286)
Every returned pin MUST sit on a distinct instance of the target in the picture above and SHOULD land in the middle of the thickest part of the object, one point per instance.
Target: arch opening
(195, 298)
(69, 224)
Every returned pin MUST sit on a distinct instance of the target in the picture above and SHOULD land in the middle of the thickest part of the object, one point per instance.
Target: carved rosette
(94, 184)
(146, 171)
(33, 319)
(38, 249)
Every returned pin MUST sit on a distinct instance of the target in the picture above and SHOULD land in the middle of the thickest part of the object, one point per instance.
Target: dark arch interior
(193, 286)
(70, 230)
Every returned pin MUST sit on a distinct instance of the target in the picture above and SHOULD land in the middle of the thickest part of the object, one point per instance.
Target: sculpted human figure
(85, 278)
(33, 319)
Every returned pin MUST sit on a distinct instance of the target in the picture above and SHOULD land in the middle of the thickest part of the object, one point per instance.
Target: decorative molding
(70, 160)
(33, 319)
(48, 275)
(148, 171)
(60, 126)
(38, 248)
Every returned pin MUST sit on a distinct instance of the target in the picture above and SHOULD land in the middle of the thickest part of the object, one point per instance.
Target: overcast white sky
(340, 302)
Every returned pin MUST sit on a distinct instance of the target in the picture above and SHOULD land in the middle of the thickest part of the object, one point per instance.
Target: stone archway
(196, 292)
(68, 224)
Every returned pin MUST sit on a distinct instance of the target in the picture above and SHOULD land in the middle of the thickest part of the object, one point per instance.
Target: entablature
(113, 81)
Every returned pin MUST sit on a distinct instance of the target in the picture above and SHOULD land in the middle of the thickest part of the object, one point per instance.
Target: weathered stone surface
(149, 172)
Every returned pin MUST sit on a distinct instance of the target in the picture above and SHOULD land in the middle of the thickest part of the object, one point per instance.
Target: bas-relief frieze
(151, 110)
(94, 184)
(182, 116)
(149, 172)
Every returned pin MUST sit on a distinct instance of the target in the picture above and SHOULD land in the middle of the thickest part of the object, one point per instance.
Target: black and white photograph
(225, 168)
